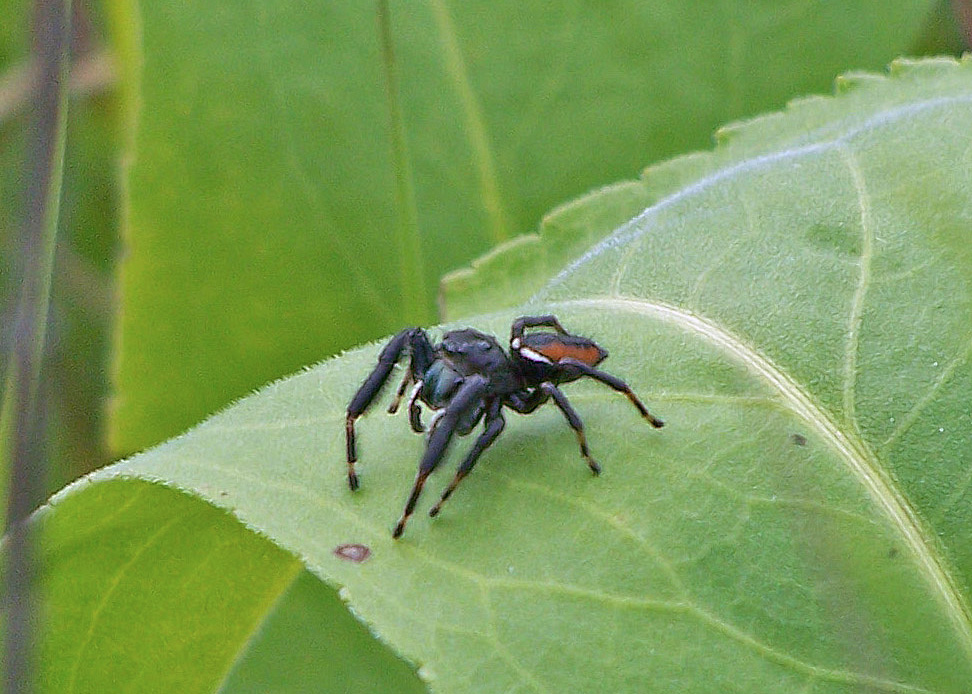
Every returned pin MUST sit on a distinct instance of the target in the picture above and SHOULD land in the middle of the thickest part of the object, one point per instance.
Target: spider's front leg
(400, 393)
(417, 342)
(493, 428)
(469, 394)
(414, 409)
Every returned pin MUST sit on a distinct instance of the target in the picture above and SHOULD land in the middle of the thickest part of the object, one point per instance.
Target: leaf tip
(725, 133)
(426, 674)
(851, 80)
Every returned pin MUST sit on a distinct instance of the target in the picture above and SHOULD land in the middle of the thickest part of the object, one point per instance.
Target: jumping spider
(468, 377)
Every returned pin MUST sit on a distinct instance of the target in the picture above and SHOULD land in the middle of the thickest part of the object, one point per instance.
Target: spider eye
(465, 346)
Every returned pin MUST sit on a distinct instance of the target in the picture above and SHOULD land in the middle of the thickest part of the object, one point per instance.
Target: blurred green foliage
(75, 384)
(270, 121)
(270, 222)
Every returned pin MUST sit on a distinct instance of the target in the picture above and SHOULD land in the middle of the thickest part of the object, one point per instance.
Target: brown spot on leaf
(799, 439)
(353, 552)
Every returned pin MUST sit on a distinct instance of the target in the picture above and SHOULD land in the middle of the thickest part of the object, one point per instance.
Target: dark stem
(21, 422)
(963, 14)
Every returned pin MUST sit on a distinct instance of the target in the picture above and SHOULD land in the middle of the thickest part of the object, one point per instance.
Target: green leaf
(342, 658)
(151, 591)
(797, 305)
(264, 228)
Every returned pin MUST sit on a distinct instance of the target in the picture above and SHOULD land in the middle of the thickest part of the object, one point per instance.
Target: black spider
(468, 377)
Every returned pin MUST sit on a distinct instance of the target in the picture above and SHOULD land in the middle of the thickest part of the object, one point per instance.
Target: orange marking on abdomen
(558, 350)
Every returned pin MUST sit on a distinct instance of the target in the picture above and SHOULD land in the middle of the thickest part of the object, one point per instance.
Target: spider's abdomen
(554, 348)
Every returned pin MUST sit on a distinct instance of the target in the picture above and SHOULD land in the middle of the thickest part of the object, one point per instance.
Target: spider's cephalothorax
(468, 378)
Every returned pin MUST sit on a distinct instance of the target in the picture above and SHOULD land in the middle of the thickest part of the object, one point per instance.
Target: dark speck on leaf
(353, 552)
(799, 439)
(892, 553)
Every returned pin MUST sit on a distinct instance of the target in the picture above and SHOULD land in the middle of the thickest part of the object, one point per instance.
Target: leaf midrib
(855, 453)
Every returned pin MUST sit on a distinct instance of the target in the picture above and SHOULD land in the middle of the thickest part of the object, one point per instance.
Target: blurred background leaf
(265, 226)
(213, 341)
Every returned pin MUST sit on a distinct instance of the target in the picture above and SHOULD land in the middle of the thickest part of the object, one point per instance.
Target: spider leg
(414, 410)
(493, 428)
(469, 393)
(434, 421)
(618, 385)
(524, 322)
(400, 393)
(417, 342)
(526, 404)
(574, 420)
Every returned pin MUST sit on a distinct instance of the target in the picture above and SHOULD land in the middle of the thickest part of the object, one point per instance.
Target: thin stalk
(21, 422)
(484, 162)
(414, 295)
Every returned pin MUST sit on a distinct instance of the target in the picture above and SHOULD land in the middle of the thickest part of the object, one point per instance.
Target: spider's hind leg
(524, 322)
(618, 385)
(574, 420)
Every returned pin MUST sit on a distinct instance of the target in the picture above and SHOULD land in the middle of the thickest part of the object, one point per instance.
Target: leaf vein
(943, 378)
(860, 293)
(711, 621)
(307, 187)
(501, 650)
(110, 591)
(613, 521)
(858, 456)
